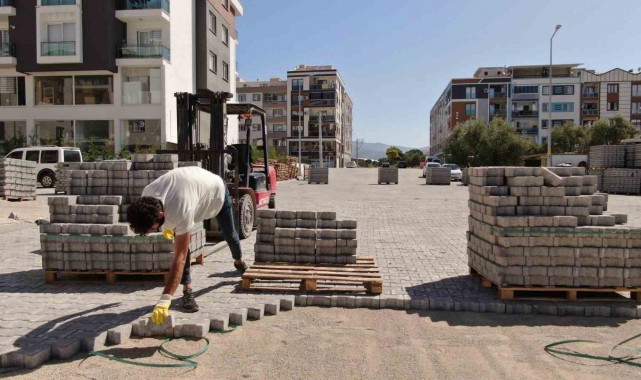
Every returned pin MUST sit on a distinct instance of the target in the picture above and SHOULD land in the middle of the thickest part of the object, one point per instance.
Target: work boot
(242, 267)
(189, 302)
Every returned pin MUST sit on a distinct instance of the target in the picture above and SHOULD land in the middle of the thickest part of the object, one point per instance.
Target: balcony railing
(527, 131)
(498, 112)
(326, 119)
(590, 112)
(497, 95)
(147, 4)
(297, 88)
(53, 49)
(525, 113)
(144, 51)
(7, 3)
(322, 102)
(58, 2)
(317, 87)
(7, 49)
(590, 95)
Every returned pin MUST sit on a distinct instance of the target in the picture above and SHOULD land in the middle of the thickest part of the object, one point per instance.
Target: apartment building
(518, 94)
(270, 95)
(76, 72)
(606, 95)
(319, 114)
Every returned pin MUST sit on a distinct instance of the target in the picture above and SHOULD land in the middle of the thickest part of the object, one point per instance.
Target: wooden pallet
(51, 276)
(363, 276)
(559, 293)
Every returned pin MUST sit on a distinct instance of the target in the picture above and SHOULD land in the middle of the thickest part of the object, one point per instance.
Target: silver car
(430, 165)
(455, 172)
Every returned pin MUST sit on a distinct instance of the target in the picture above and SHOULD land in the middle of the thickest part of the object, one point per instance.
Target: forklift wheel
(272, 201)
(246, 211)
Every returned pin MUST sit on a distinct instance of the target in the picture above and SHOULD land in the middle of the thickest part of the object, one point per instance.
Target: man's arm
(181, 248)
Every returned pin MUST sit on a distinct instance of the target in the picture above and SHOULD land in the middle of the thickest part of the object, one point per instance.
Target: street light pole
(550, 101)
(300, 144)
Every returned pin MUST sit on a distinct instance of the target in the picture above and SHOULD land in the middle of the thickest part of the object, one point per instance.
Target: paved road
(415, 232)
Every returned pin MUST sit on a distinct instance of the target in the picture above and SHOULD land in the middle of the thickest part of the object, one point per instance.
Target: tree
(568, 138)
(611, 132)
(493, 144)
(393, 154)
(413, 157)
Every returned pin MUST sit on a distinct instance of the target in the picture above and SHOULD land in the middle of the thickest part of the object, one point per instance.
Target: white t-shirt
(189, 195)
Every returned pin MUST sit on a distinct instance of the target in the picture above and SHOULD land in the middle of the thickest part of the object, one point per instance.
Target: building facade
(614, 93)
(81, 72)
(270, 95)
(518, 94)
(319, 113)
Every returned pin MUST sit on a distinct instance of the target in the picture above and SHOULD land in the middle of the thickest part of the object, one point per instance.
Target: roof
(568, 65)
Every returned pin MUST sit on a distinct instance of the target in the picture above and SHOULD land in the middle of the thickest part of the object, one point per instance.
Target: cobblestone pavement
(415, 232)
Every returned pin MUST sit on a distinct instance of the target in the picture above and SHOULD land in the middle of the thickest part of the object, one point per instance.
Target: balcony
(525, 114)
(326, 119)
(58, 49)
(7, 53)
(7, 8)
(499, 112)
(322, 102)
(144, 52)
(322, 87)
(143, 10)
(527, 131)
(590, 112)
(525, 97)
(590, 95)
(57, 2)
(498, 95)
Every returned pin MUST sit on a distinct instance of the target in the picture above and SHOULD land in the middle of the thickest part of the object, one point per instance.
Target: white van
(46, 158)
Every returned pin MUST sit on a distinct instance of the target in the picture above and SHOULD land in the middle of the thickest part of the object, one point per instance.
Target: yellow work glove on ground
(161, 311)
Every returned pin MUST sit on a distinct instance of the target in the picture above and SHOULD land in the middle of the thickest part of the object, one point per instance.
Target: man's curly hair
(144, 213)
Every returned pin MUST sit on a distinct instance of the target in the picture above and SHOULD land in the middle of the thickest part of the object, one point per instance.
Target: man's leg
(225, 219)
(189, 303)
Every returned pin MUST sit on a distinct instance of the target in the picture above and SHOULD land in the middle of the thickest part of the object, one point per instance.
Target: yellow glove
(168, 234)
(161, 311)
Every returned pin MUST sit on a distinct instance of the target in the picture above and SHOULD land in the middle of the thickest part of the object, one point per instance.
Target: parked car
(401, 165)
(384, 164)
(455, 172)
(46, 158)
(430, 165)
(351, 164)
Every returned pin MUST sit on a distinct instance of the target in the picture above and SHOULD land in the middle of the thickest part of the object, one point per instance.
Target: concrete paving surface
(415, 232)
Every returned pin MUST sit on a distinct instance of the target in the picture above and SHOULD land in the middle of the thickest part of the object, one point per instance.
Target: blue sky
(397, 56)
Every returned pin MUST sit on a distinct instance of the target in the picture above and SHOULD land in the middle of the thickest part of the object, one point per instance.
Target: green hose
(610, 358)
(185, 360)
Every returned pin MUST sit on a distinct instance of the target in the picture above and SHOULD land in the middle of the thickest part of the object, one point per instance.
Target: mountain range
(375, 151)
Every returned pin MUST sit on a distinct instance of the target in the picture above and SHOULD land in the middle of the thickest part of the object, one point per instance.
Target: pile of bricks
(607, 156)
(318, 175)
(548, 227)
(388, 175)
(17, 178)
(84, 235)
(437, 176)
(624, 181)
(305, 237)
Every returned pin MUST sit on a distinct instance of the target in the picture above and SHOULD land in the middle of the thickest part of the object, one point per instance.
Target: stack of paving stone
(388, 175)
(305, 237)
(607, 156)
(437, 176)
(63, 175)
(84, 235)
(17, 178)
(318, 175)
(547, 227)
(465, 179)
(625, 181)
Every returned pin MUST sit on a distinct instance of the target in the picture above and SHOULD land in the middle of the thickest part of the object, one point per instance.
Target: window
(72, 155)
(297, 84)
(12, 91)
(280, 128)
(613, 106)
(212, 62)
(255, 127)
(636, 123)
(95, 89)
(242, 97)
(225, 71)
(141, 85)
(33, 155)
(212, 22)
(555, 123)
(526, 89)
(636, 90)
(559, 90)
(278, 112)
(16, 155)
(559, 107)
(226, 4)
(49, 157)
(242, 128)
(470, 92)
(137, 134)
(95, 132)
(225, 35)
(61, 40)
(470, 109)
(54, 91)
(613, 88)
(636, 107)
(256, 97)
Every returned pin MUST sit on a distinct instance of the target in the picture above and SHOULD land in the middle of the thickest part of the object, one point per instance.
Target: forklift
(252, 186)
